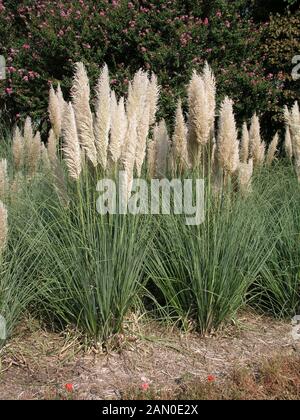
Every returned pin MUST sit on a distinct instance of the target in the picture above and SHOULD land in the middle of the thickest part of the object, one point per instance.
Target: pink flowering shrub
(42, 40)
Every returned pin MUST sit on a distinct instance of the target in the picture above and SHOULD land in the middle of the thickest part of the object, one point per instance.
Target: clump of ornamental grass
(277, 286)
(201, 274)
(91, 265)
(18, 274)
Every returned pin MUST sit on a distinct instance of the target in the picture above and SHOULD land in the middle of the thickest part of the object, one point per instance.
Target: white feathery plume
(71, 147)
(288, 143)
(151, 158)
(129, 152)
(142, 135)
(161, 137)
(3, 227)
(272, 149)
(54, 111)
(33, 158)
(244, 175)
(3, 178)
(45, 157)
(115, 134)
(153, 97)
(199, 118)
(51, 147)
(180, 150)
(62, 103)
(18, 149)
(210, 88)
(80, 93)
(295, 131)
(227, 142)
(28, 136)
(102, 119)
(256, 146)
(244, 146)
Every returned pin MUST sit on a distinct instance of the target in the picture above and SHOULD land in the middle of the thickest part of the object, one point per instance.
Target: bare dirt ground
(37, 364)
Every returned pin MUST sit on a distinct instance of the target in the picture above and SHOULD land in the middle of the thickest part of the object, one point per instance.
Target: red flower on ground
(145, 386)
(211, 378)
(69, 387)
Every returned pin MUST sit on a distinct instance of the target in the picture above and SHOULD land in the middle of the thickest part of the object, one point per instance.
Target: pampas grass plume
(80, 93)
(3, 227)
(102, 119)
(71, 147)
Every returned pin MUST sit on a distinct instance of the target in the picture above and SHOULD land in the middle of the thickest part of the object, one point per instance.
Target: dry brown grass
(254, 359)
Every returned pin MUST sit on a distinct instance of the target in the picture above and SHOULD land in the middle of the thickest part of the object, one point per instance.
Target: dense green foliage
(251, 57)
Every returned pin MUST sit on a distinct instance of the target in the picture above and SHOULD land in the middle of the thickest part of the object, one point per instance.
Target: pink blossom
(26, 46)
(143, 49)
(11, 69)
(219, 13)
(130, 5)
(145, 386)
(102, 13)
(227, 24)
(206, 21)
(9, 90)
(25, 78)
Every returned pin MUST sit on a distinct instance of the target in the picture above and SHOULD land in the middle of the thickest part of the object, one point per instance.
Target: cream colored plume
(272, 149)
(18, 149)
(161, 137)
(3, 178)
(227, 142)
(34, 155)
(118, 127)
(180, 150)
(3, 227)
(295, 131)
(142, 136)
(257, 148)
(28, 136)
(54, 110)
(199, 118)
(151, 158)
(153, 97)
(210, 88)
(62, 103)
(245, 175)
(129, 152)
(138, 107)
(102, 120)
(244, 146)
(80, 93)
(45, 157)
(288, 143)
(71, 147)
(51, 147)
